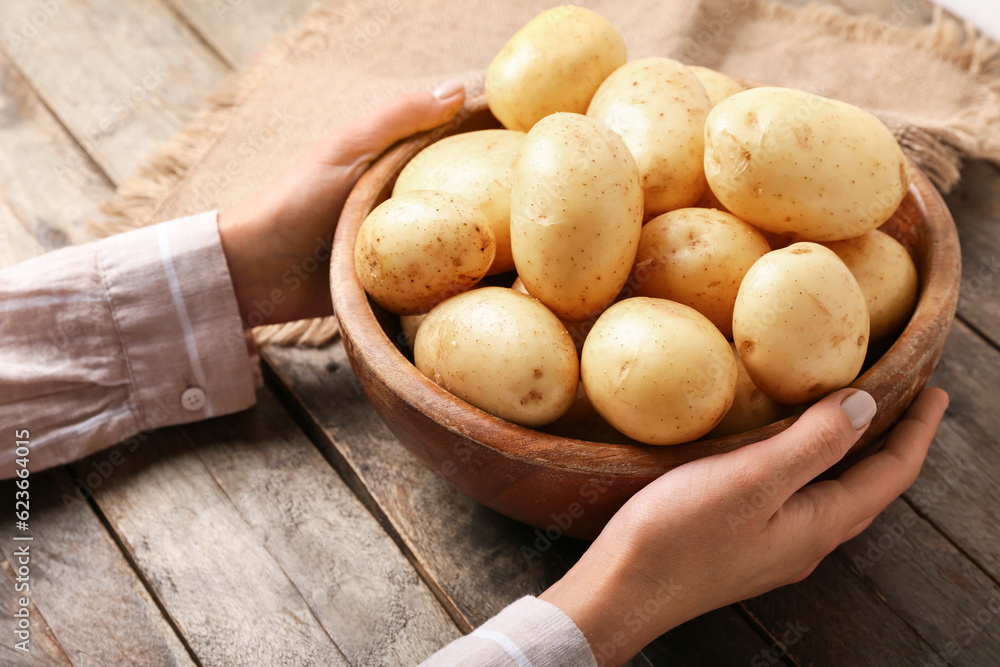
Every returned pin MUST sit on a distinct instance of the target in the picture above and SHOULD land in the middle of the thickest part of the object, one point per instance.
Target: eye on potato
(554, 63)
(795, 163)
(658, 371)
(476, 166)
(658, 107)
(418, 249)
(697, 257)
(887, 276)
(800, 323)
(501, 351)
(575, 215)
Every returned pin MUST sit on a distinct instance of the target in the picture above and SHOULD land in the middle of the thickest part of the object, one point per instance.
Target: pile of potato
(702, 257)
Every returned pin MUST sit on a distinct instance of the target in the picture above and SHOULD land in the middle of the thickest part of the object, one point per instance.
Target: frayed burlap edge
(937, 150)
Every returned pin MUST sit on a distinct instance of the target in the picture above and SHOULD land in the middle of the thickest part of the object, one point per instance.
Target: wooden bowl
(573, 487)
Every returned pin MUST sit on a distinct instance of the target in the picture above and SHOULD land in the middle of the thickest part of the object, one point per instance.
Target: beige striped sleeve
(104, 342)
(527, 633)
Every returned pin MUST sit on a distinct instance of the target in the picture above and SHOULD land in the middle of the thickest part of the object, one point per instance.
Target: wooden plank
(122, 77)
(42, 648)
(16, 243)
(91, 598)
(239, 29)
(975, 204)
(259, 553)
(948, 608)
(476, 560)
(48, 181)
(833, 618)
(720, 637)
(957, 490)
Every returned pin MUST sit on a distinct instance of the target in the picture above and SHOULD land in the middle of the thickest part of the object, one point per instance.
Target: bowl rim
(374, 353)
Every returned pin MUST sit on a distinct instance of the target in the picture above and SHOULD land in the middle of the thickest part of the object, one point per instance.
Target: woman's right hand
(732, 526)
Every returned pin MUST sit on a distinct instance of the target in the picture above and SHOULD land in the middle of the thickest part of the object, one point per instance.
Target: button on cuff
(193, 399)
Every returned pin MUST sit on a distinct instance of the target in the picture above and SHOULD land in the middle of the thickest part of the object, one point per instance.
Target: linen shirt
(104, 341)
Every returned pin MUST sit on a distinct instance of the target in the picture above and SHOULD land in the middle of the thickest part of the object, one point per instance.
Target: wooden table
(300, 532)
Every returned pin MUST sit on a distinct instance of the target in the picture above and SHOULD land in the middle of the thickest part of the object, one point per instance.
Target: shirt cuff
(527, 632)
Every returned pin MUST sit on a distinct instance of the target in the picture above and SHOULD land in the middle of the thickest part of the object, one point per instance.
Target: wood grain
(16, 243)
(107, 616)
(47, 180)
(260, 554)
(957, 490)
(975, 203)
(239, 29)
(832, 618)
(899, 549)
(122, 77)
(476, 560)
(44, 650)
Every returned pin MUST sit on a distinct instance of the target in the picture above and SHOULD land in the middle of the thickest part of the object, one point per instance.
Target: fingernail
(859, 407)
(448, 89)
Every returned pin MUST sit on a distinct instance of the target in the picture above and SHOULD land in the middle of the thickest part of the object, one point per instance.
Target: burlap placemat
(937, 87)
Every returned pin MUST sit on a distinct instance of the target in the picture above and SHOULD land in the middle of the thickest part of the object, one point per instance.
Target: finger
(816, 441)
(868, 487)
(858, 529)
(400, 117)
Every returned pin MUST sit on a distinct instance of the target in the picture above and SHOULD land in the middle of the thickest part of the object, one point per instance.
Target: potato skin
(887, 276)
(800, 323)
(658, 371)
(477, 166)
(751, 407)
(717, 85)
(697, 257)
(575, 215)
(554, 63)
(501, 351)
(416, 250)
(658, 107)
(795, 163)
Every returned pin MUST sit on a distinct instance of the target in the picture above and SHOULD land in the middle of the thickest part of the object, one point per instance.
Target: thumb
(816, 441)
(404, 115)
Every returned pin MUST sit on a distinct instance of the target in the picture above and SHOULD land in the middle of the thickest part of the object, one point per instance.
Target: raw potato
(478, 167)
(658, 107)
(658, 371)
(751, 408)
(697, 257)
(800, 323)
(887, 276)
(554, 63)
(410, 324)
(418, 249)
(796, 163)
(501, 351)
(575, 215)
(718, 85)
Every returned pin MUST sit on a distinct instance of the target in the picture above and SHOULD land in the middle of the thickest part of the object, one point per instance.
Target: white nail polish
(448, 89)
(859, 407)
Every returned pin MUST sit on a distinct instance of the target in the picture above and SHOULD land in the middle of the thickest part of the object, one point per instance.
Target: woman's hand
(731, 526)
(279, 241)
